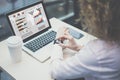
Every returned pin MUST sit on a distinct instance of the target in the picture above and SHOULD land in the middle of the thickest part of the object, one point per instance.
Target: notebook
(32, 25)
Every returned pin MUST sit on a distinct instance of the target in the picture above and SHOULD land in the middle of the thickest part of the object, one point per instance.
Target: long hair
(102, 17)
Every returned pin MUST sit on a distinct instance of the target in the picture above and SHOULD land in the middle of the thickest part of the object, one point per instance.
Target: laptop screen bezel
(36, 34)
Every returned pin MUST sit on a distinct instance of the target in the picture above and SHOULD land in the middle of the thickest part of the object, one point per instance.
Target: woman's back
(108, 59)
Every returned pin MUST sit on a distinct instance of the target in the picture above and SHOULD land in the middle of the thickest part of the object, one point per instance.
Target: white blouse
(98, 60)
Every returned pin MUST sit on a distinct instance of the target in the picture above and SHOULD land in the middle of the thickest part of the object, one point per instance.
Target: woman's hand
(68, 41)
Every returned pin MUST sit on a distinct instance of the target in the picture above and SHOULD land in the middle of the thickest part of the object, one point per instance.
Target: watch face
(58, 41)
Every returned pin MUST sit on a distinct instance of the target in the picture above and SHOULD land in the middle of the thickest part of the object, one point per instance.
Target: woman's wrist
(78, 47)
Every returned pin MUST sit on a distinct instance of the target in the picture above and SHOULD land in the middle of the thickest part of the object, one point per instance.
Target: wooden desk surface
(29, 68)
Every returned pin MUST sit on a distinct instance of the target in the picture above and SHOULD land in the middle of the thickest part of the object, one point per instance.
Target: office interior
(65, 10)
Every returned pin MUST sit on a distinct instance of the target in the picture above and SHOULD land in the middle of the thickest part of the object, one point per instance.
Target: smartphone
(75, 33)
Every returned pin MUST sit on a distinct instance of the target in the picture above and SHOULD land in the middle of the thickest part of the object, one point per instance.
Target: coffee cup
(14, 44)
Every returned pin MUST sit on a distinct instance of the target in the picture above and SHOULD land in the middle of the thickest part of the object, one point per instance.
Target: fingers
(60, 31)
(64, 46)
(65, 37)
(66, 32)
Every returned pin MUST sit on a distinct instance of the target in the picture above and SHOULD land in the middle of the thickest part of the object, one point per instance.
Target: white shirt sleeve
(82, 64)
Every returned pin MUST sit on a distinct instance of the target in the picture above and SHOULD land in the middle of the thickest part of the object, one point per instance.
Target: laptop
(32, 25)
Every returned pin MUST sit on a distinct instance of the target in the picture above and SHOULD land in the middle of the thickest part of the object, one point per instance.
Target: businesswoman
(100, 58)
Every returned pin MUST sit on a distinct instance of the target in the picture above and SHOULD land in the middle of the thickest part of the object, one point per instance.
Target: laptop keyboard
(41, 41)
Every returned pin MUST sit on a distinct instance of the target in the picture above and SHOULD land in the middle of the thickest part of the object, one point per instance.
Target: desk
(30, 68)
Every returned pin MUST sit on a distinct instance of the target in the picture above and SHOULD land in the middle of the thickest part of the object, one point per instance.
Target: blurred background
(66, 10)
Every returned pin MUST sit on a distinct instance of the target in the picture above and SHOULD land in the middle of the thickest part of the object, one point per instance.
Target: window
(61, 9)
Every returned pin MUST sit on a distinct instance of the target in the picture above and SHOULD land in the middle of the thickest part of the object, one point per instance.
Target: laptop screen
(29, 21)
